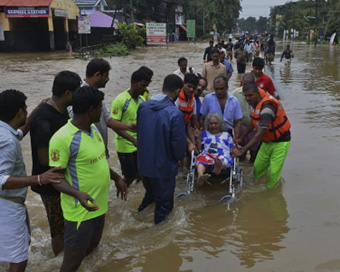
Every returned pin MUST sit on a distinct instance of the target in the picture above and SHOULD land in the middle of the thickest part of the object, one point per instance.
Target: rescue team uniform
(124, 109)
(215, 146)
(187, 107)
(269, 114)
(83, 156)
(265, 83)
(146, 94)
(102, 124)
(246, 120)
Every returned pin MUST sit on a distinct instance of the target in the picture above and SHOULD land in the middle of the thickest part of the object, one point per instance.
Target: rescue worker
(272, 128)
(186, 102)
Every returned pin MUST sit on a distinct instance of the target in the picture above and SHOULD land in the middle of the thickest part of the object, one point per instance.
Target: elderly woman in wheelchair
(215, 156)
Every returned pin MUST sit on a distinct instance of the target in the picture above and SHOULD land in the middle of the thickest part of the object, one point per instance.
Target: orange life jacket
(186, 107)
(278, 126)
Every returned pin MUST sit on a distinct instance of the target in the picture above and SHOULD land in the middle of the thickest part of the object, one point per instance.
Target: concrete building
(37, 25)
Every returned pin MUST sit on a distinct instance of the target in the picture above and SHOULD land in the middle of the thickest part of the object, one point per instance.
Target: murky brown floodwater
(294, 227)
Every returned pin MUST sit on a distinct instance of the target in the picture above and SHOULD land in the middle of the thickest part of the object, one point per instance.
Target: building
(88, 6)
(37, 25)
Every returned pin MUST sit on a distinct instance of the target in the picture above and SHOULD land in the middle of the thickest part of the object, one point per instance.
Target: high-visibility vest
(185, 106)
(278, 126)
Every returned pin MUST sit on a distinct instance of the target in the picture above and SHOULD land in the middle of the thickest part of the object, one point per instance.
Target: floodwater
(293, 227)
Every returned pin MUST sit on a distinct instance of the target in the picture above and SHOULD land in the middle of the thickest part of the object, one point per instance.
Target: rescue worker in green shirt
(78, 147)
(124, 109)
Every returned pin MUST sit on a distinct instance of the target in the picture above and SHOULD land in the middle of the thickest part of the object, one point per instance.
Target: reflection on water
(260, 226)
(264, 230)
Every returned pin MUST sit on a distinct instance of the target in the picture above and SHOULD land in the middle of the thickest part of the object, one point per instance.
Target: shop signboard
(191, 29)
(27, 11)
(60, 13)
(156, 33)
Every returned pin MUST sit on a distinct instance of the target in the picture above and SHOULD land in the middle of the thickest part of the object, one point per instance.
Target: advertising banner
(84, 25)
(156, 33)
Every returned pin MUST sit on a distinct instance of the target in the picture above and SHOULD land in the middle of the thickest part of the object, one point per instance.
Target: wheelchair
(234, 175)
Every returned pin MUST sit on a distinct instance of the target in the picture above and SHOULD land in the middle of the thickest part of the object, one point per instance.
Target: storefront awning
(184, 27)
(25, 3)
(99, 19)
(139, 24)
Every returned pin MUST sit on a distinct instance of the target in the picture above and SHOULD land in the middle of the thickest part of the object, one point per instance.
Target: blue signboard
(26, 11)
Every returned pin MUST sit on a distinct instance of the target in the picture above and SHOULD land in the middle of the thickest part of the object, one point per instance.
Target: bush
(207, 36)
(118, 49)
(131, 35)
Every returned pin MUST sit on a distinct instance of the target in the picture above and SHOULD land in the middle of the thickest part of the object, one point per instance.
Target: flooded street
(293, 227)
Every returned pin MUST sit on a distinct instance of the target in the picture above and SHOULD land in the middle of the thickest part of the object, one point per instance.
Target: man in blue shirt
(202, 85)
(224, 103)
(227, 65)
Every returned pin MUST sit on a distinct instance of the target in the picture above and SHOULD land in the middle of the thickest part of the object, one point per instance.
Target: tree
(223, 13)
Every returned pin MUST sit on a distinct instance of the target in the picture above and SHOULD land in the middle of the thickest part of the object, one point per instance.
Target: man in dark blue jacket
(161, 144)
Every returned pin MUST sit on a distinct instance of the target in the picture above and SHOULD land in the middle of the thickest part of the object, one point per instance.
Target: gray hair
(218, 79)
(248, 76)
(213, 114)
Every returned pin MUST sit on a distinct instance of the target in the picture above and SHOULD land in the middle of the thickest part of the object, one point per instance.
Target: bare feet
(201, 179)
(218, 166)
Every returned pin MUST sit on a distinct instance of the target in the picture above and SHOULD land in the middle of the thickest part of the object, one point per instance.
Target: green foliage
(303, 15)
(254, 26)
(131, 35)
(207, 36)
(117, 49)
(223, 13)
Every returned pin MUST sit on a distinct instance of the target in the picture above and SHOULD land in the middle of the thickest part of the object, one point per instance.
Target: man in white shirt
(183, 68)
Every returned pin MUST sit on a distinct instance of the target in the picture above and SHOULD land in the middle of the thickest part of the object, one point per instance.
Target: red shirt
(265, 83)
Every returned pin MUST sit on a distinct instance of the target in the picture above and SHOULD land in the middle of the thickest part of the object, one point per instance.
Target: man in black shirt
(49, 118)
(207, 52)
(288, 54)
(229, 48)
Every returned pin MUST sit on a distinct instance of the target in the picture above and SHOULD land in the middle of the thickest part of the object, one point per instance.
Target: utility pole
(204, 16)
(131, 7)
(316, 21)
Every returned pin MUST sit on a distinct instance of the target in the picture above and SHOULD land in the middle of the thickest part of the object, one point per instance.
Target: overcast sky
(257, 8)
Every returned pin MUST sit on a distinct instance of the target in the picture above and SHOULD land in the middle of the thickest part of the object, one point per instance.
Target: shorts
(128, 164)
(241, 68)
(287, 62)
(54, 214)
(81, 238)
(270, 56)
